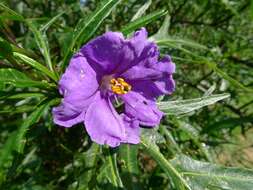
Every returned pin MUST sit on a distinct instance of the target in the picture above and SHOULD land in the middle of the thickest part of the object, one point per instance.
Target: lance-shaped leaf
(130, 169)
(5, 155)
(132, 26)
(153, 150)
(202, 175)
(162, 38)
(19, 79)
(31, 120)
(46, 26)
(10, 14)
(185, 106)
(36, 65)
(89, 159)
(109, 170)
(42, 42)
(87, 26)
(141, 10)
(5, 49)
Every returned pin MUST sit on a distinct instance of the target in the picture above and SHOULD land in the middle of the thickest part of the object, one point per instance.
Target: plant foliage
(205, 138)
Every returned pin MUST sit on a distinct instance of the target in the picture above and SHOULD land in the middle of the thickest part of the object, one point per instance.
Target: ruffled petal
(141, 51)
(108, 52)
(138, 72)
(104, 124)
(154, 80)
(72, 110)
(165, 85)
(78, 85)
(139, 41)
(146, 51)
(153, 72)
(165, 65)
(142, 109)
(132, 130)
(66, 115)
(153, 89)
(147, 88)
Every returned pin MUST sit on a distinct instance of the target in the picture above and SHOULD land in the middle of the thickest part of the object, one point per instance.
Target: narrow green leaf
(202, 175)
(128, 154)
(5, 154)
(90, 159)
(18, 79)
(170, 138)
(193, 133)
(113, 170)
(163, 31)
(180, 107)
(184, 42)
(152, 135)
(203, 60)
(11, 110)
(10, 14)
(130, 169)
(5, 49)
(4, 95)
(131, 27)
(42, 42)
(153, 150)
(87, 26)
(224, 75)
(109, 170)
(141, 11)
(30, 120)
(36, 65)
(45, 27)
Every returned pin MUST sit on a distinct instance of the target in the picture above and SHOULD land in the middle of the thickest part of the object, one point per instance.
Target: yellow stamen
(120, 86)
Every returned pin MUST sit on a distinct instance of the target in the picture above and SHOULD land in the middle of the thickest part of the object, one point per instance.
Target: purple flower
(109, 71)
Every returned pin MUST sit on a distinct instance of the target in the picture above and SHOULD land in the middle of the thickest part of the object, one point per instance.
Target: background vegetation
(198, 144)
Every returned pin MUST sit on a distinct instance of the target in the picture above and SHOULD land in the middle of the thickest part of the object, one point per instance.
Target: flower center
(120, 86)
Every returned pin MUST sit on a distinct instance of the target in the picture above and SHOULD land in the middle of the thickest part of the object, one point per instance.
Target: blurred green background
(211, 42)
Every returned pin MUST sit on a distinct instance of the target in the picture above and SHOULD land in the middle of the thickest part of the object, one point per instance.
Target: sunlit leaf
(179, 107)
(179, 41)
(36, 65)
(152, 135)
(163, 32)
(141, 11)
(19, 79)
(138, 23)
(45, 27)
(42, 42)
(202, 175)
(153, 150)
(18, 95)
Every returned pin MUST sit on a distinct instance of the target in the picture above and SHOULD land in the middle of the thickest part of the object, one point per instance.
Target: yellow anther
(120, 86)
